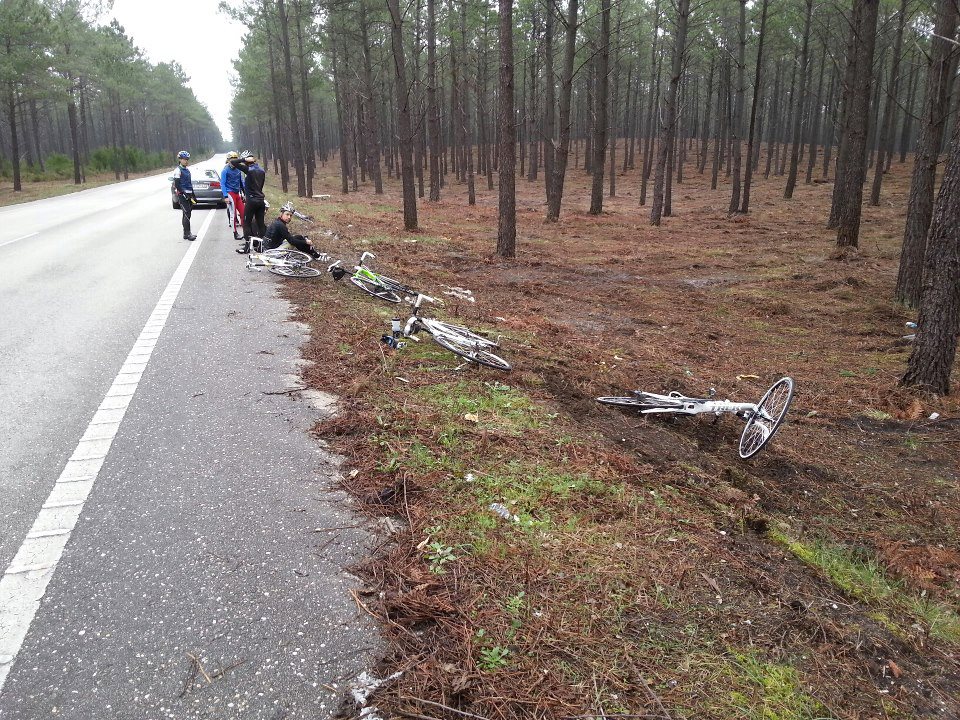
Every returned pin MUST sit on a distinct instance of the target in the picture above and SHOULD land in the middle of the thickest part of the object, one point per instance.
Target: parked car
(206, 188)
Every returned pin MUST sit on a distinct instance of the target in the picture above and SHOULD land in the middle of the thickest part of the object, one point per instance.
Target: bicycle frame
(677, 403)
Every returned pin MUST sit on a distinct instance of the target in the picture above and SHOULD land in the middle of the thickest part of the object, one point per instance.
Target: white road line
(23, 584)
(22, 237)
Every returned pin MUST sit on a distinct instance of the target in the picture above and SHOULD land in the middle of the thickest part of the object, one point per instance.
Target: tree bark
(403, 119)
(566, 92)
(668, 125)
(433, 111)
(748, 173)
(371, 131)
(507, 226)
(848, 227)
(295, 128)
(600, 116)
(920, 205)
(801, 105)
(935, 346)
(885, 136)
(737, 125)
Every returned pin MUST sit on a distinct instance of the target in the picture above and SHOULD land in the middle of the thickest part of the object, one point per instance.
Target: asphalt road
(163, 511)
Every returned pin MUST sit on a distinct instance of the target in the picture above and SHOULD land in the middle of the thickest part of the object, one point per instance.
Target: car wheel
(221, 205)
(176, 205)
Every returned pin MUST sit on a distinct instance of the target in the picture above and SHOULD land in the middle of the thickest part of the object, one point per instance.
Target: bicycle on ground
(763, 418)
(373, 283)
(288, 263)
(457, 339)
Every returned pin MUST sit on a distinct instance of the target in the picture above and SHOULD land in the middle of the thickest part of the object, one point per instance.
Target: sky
(193, 33)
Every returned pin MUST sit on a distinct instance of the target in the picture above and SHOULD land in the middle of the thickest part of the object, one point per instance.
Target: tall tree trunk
(549, 101)
(885, 136)
(737, 126)
(908, 115)
(705, 139)
(801, 105)
(668, 124)
(748, 173)
(847, 117)
(815, 116)
(74, 134)
(507, 226)
(14, 137)
(466, 131)
(653, 101)
(295, 128)
(935, 346)
(600, 116)
(433, 111)
(371, 131)
(307, 128)
(920, 205)
(566, 92)
(403, 120)
(848, 227)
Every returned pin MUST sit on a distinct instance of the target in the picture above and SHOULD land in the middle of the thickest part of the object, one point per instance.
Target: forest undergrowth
(636, 567)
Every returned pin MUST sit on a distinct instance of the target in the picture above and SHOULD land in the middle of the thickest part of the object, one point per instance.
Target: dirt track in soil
(597, 305)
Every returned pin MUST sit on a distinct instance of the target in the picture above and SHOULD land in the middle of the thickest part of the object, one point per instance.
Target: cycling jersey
(182, 181)
(231, 179)
(254, 181)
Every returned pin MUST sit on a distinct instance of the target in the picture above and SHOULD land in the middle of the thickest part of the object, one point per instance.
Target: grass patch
(865, 579)
(772, 691)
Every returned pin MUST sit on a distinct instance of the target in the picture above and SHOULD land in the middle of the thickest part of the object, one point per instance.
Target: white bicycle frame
(677, 403)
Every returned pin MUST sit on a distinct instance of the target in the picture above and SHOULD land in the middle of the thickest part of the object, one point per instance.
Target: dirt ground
(635, 566)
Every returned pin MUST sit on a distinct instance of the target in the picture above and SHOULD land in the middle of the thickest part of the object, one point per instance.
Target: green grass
(497, 406)
(770, 691)
(865, 579)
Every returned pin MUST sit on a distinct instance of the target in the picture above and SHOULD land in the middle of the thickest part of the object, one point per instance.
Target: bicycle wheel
(630, 402)
(291, 256)
(372, 288)
(764, 423)
(437, 327)
(472, 351)
(302, 271)
(396, 286)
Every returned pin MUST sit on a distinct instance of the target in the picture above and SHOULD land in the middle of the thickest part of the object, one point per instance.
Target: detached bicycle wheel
(372, 288)
(301, 271)
(290, 256)
(472, 351)
(765, 422)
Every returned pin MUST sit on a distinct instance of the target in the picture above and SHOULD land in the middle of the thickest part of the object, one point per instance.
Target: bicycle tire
(396, 285)
(438, 327)
(301, 271)
(378, 291)
(760, 430)
(630, 402)
(293, 256)
(472, 352)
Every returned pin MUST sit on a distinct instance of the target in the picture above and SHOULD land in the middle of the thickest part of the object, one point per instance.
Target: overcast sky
(194, 34)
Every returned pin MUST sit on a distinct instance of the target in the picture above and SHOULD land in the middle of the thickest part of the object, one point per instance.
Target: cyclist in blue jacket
(183, 186)
(232, 186)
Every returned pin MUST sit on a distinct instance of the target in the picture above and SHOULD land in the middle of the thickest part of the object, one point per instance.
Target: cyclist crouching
(278, 234)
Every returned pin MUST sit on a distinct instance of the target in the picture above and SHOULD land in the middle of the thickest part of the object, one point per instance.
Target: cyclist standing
(256, 204)
(183, 185)
(232, 186)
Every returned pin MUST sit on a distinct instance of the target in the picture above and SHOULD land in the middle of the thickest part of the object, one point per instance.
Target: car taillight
(215, 184)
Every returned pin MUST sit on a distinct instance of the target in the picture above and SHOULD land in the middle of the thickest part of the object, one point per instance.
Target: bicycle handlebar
(332, 265)
(367, 253)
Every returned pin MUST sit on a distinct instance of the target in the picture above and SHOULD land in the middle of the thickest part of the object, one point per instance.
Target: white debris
(934, 416)
(459, 293)
(501, 510)
(363, 686)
